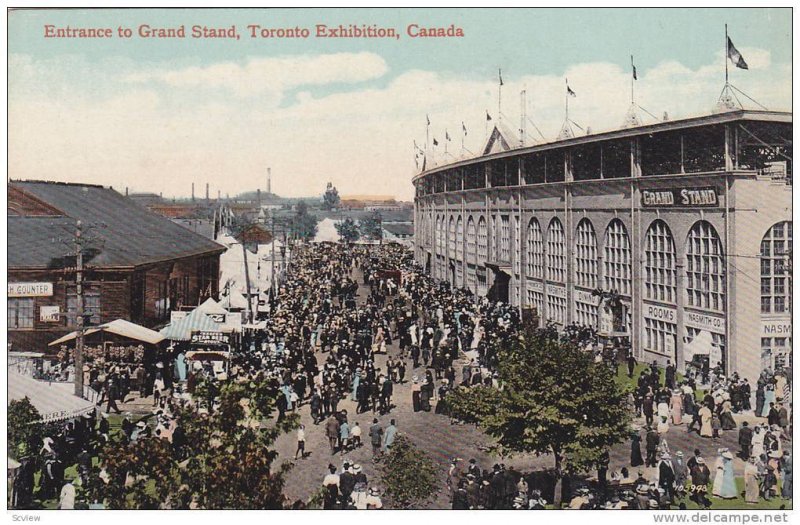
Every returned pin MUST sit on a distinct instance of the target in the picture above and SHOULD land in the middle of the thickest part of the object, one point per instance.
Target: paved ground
(435, 435)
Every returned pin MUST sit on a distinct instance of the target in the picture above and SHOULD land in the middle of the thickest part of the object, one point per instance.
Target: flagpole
(427, 134)
(446, 140)
(499, 95)
(633, 68)
(566, 101)
(726, 54)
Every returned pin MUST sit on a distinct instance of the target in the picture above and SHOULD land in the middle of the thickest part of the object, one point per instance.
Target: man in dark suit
(347, 482)
(669, 375)
(745, 440)
(652, 441)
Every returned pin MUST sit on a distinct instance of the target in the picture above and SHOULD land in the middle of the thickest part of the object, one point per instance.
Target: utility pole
(247, 280)
(79, 320)
(272, 274)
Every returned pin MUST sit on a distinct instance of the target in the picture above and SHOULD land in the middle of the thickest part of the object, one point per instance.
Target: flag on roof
(428, 119)
(488, 117)
(735, 56)
(570, 92)
(446, 135)
(464, 127)
(500, 75)
(435, 142)
(634, 69)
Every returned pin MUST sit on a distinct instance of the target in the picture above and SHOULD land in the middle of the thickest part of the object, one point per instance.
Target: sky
(156, 115)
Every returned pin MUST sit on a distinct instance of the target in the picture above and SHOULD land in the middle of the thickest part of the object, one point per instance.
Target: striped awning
(196, 321)
(54, 401)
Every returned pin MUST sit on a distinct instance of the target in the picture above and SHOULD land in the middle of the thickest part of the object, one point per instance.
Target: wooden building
(139, 266)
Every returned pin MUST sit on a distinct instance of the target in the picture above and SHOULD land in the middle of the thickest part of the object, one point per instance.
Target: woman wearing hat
(751, 481)
(728, 489)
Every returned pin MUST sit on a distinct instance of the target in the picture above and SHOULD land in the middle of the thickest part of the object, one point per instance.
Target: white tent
(211, 307)
(326, 231)
(701, 345)
(54, 401)
(121, 328)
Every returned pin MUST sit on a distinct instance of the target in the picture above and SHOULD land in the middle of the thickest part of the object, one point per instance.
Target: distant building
(138, 266)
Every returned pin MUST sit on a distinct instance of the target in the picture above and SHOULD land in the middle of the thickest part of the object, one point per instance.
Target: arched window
(471, 241)
(535, 253)
(585, 255)
(556, 262)
(776, 280)
(659, 266)
(556, 272)
(585, 272)
(459, 239)
(451, 237)
(517, 245)
(617, 258)
(472, 278)
(482, 241)
(705, 268)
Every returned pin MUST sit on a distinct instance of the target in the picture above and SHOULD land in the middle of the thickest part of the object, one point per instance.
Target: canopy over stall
(118, 327)
(197, 321)
(54, 401)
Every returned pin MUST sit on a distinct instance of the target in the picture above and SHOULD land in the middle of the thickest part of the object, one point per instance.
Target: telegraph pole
(247, 280)
(79, 320)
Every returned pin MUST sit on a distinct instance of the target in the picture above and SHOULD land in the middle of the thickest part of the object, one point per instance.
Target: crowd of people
(319, 346)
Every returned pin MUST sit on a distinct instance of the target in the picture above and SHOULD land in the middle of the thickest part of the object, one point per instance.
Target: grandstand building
(674, 237)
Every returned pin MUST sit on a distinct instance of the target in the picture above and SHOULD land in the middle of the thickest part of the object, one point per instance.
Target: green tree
(348, 230)
(371, 227)
(330, 199)
(228, 465)
(554, 400)
(304, 225)
(408, 475)
(24, 427)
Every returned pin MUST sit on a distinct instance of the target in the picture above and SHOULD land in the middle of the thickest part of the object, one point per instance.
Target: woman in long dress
(676, 405)
(751, 481)
(705, 422)
(726, 415)
(728, 481)
(636, 449)
(758, 442)
(719, 475)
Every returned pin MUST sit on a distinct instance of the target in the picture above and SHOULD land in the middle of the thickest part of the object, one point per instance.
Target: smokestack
(269, 180)
(219, 195)
(161, 195)
(206, 192)
(193, 192)
(258, 197)
(126, 191)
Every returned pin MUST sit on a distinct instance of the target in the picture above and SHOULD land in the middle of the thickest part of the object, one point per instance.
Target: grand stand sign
(680, 197)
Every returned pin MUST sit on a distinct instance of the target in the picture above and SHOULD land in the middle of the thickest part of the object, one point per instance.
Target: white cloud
(273, 74)
(149, 139)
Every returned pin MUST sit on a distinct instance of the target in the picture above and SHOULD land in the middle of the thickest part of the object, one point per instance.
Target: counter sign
(30, 289)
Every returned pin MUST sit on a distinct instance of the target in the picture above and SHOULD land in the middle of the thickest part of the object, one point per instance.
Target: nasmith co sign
(680, 197)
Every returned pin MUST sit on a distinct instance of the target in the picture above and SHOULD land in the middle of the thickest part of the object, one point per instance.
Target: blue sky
(159, 114)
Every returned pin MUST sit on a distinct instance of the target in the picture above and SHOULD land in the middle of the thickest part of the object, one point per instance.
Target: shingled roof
(124, 234)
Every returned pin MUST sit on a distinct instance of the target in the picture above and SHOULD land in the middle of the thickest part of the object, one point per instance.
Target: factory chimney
(206, 192)
(193, 192)
(269, 181)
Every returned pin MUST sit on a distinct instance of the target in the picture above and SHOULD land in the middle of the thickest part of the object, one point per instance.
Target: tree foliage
(554, 400)
(371, 227)
(347, 230)
(330, 199)
(228, 465)
(304, 225)
(408, 475)
(24, 427)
